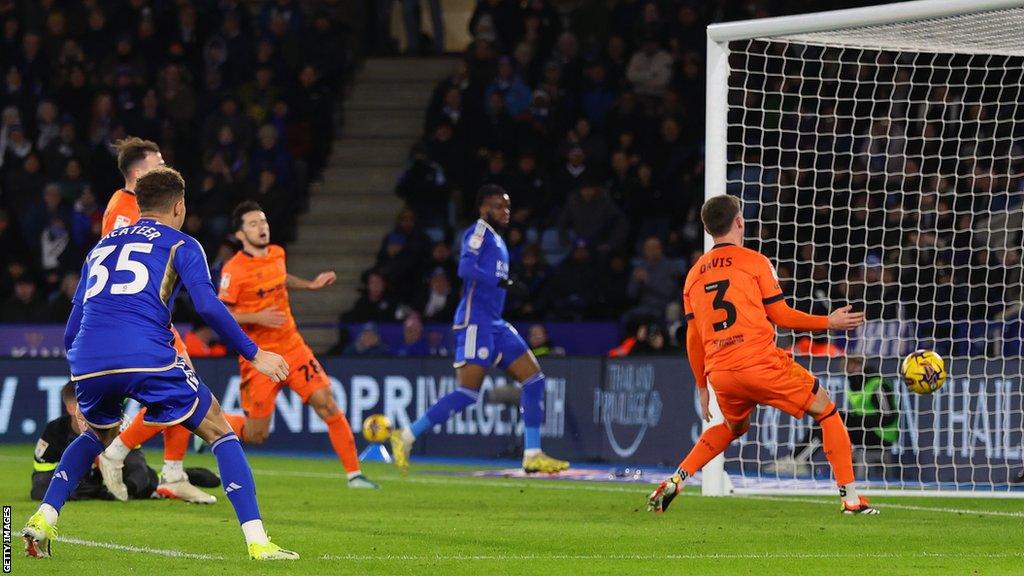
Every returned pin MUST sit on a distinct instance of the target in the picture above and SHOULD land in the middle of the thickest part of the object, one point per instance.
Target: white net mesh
(884, 167)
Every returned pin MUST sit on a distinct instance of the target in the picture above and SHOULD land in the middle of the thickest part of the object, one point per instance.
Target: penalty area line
(137, 549)
(659, 557)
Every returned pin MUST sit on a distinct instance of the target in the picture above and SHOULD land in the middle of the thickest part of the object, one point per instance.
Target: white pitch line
(660, 557)
(638, 490)
(136, 549)
(456, 480)
(889, 505)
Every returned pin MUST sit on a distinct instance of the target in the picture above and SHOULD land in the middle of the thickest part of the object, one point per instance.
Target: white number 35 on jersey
(101, 274)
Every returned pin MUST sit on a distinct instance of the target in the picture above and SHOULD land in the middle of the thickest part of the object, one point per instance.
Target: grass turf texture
(433, 524)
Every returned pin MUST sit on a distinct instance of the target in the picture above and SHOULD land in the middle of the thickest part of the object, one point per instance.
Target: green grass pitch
(428, 523)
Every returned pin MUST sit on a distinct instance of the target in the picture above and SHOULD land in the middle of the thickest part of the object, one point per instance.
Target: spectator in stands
(367, 343)
(655, 282)
(438, 301)
(591, 216)
(571, 291)
(424, 189)
(571, 176)
(373, 305)
(650, 69)
(441, 258)
(61, 302)
(24, 306)
(653, 341)
(414, 343)
(613, 287)
(533, 273)
(508, 84)
(540, 343)
(527, 188)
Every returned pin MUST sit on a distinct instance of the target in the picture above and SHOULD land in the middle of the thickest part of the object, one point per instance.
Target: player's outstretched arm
(783, 316)
(190, 264)
(322, 280)
(269, 317)
(780, 313)
(845, 319)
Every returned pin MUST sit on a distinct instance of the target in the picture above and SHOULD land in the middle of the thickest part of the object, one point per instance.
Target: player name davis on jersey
(716, 263)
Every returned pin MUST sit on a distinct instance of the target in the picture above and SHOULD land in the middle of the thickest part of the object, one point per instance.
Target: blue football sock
(532, 404)
(76, 461)
(443, 409)
(236, 476)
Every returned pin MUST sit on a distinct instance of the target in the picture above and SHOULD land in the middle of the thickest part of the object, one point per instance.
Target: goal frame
(715, 480)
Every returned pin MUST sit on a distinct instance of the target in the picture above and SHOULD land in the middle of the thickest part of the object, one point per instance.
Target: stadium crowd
(240, 98)
(593, 121)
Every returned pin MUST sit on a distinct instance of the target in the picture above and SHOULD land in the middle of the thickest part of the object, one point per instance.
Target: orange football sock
(176, 440)
(344, 444)
(712, 442)
(237, 422)
(836, 442)
(138, 433)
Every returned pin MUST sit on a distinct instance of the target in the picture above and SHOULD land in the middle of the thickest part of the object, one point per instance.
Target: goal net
(879, 154)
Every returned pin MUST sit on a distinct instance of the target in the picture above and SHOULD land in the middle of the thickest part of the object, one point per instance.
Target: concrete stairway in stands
(355, 205)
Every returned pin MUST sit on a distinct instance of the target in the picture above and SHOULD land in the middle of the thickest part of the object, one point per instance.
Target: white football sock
(408, 436)
(352, 475)
(117, 450)
(527, 452)
(50, 513)
(849, 494)
(173, 471)
(254, 532)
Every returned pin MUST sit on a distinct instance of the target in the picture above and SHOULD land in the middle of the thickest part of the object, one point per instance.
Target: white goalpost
(879, 154)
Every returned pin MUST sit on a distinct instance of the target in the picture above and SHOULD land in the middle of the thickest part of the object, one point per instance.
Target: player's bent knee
(256, 431)
(106, 435)
(739, 428)
(821, 401)
(323, 403)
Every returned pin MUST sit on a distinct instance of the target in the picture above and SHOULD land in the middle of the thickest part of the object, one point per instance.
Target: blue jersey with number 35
(122, 304)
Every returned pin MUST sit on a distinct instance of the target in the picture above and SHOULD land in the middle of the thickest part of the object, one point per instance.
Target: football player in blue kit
(483, 339)
(118, 339)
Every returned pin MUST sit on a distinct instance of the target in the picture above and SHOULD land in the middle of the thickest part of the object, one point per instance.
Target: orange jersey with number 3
(254, 283)
(725, 295)
(122, 210)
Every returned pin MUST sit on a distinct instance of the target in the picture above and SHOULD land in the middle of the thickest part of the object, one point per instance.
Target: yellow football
(923, 371)
(377, 428)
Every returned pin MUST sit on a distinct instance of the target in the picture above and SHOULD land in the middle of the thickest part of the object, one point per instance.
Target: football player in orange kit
(135, 157)
(733, 302)
(254, 285)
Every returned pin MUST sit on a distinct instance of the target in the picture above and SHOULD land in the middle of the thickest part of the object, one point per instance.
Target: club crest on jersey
(225, 281)
(483, 353)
